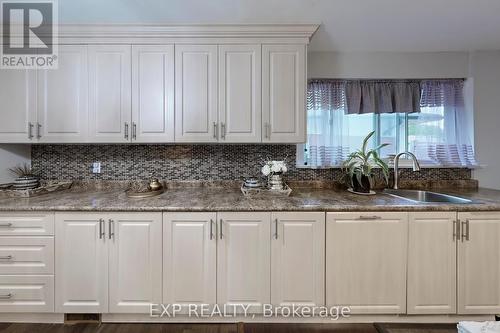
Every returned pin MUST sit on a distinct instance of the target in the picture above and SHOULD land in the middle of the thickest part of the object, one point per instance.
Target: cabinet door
(153, 93)
(283, 93)
(62, 97)
(110, 93)
(479, 263)
(18, 107)
(81, 264)
(366, 261)
(135, 265)
(298, 237)
(240, 109)
(196, 93)
(189, 257)
(243, 265)
(432, 251)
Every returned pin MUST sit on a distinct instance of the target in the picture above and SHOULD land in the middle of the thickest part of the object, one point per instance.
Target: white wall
(485, 69)
(388, 65)
(11, 155)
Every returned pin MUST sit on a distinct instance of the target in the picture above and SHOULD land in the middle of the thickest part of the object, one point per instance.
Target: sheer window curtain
(454, 145)
(327, 138)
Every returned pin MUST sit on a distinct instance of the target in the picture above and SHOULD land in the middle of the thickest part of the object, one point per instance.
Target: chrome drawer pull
(5, 225)
(8, 296)
(6, 258)
(362, 217)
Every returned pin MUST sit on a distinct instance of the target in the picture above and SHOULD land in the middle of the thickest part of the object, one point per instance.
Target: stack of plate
(252, 183)
(26, 183)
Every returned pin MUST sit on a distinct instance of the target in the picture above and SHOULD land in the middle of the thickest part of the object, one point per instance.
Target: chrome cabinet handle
(7, 296)
(220, 230)
(267, 131)
(367, 218)
(467, 233)
(111, 229)
(465, 230)
(6, 258)
(216, 130)
(134, 131)
(276, 229)
(126, 131)
(101, 229)
(223, 131)
(38, 127)
(455, 229)
(211, 229)
(5, 225)
(30, 130)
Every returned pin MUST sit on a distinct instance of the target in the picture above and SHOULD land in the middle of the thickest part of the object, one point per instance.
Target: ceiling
(346, 25)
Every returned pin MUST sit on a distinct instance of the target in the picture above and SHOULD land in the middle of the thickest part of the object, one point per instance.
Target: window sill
(402, 165)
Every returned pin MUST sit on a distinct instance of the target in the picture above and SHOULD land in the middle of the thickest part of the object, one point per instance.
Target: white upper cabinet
(135, 265)
(196, 93)
(18, 107)
(284, 93)
(240, 110)
(243, 259)
(62, 99)
(432, 255)
(298, 237)
(152, 93)
(366, 261)
(227, 84)
(189, 258)
(479, 263)
(110, 93)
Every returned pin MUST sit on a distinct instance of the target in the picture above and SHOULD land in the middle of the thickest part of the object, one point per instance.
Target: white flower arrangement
(273, 167)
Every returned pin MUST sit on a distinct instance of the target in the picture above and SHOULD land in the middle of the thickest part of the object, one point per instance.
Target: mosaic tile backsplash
(187, 162)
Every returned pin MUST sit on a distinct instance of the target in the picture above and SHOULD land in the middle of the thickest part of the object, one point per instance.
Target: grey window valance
(382, 96)
(442, 92)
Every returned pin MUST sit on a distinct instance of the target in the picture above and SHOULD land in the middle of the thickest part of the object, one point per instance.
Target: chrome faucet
(416, 166)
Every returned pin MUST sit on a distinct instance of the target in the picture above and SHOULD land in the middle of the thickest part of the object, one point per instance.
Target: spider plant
(22, 171)
(358, 168)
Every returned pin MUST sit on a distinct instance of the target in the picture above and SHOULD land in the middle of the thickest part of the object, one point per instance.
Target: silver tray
(265, 191)
(140, 195)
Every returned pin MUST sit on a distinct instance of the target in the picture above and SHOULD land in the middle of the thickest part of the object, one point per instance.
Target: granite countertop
(211, 198)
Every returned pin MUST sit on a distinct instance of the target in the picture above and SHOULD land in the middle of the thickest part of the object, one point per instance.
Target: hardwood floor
(214, 328)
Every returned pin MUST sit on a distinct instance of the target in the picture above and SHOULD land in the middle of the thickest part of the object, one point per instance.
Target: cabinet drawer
(27, 255)
(26, 224)
(26, 293)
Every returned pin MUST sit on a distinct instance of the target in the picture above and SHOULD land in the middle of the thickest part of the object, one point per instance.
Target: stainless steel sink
(426, 196)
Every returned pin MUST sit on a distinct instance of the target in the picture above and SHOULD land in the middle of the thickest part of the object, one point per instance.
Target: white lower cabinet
(366, 261)
(135, 262)
(298, 259)
(108, 262)
(81, 263)
(26, 293)
(479, 263)
(26, 262)
(432, 255)
(189, 258)
(243, 259)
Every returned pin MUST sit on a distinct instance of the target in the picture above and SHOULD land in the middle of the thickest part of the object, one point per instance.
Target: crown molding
(184, 34)
(188, 31)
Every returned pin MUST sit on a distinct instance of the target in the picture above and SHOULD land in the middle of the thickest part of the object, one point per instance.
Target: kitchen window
(426, 117)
